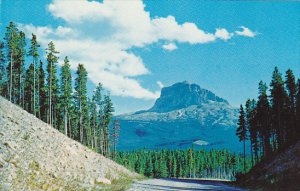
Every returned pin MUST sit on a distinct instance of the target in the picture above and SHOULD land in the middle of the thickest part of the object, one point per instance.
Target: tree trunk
(80, 123)
(244, 156)
(11, 68)
(66, 122)
(34, 88)
(50, 96)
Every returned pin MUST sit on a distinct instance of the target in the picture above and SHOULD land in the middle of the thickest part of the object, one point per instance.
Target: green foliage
(108, 109)
(273, 121)
(52, 85)
(241, 131)
(184, 163)
(65, 92)
(41, 93)
(81, 102)
(29, 89)
(3, 74)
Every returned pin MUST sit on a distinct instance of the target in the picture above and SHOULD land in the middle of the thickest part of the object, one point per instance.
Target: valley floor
(180, 184)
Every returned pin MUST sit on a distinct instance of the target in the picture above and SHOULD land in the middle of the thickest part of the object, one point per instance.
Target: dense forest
(190, 163)
(272, 122)
(51, 95)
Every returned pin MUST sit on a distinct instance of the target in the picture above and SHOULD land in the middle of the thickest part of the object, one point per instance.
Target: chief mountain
(184, 115)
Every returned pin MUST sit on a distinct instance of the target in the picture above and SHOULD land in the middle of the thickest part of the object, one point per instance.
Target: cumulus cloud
(246, 32)
(223, 34)
(101, 35)
(169, 46)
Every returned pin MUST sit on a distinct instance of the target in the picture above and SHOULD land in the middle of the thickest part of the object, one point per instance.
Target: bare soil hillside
(35, 156)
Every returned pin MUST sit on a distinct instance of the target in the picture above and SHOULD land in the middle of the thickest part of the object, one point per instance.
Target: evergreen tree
(3, 75)
(263, 119)
(12, 40)
(42, 93)
(241, 132)
(33, 51)
(279, 100)
(249, 127)
(20, 69)
(99, 103)
(94, 122)
(253, 130)
(163, 171)
(115, 135)
(66, 92)
(107, 115)
(297, 134)
(29, 89)
(149, 167)
(81, 100)
(52, 83)
(291, 117)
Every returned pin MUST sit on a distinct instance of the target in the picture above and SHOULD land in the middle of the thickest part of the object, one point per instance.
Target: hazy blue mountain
(183, 115)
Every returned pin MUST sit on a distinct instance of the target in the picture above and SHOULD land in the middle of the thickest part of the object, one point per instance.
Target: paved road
(180, 184)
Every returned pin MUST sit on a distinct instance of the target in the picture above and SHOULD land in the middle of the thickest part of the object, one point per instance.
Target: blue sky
(136, 47)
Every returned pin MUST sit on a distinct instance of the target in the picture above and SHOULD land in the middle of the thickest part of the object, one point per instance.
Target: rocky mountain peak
(182, 95)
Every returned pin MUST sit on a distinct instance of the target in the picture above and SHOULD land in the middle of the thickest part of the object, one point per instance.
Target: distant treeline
(52, 98)
(272, 122)
(188, 163)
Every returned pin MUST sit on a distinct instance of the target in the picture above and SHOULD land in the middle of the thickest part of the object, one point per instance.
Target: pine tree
(3, 75)
(263, 119)
(254, 130)
(115, 135)
(107, 115)
(249, 126)
(81, 100)
(279, 100)
(99, 103)
(33, 51)
(29, 106)
(42, 93)
(241, 132)
(297, 134)
(52, 82)
(291, 89)
(163, 171)
(66, 92)
(94, 122)
(20, 69)
(12, 39)
(149, 167)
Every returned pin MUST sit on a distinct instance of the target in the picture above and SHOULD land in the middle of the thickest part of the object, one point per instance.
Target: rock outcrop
(182, 95)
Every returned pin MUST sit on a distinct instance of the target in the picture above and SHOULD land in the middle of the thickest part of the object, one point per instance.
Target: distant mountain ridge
(182, 95)
(183, 115)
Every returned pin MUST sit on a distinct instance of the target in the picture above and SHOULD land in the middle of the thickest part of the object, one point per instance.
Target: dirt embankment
(280, 173)
(35, 156)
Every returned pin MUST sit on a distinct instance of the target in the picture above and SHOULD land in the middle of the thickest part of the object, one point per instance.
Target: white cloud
(246, 32)
(169, 46)
(223, 34)
(160, 84)
(101, 35)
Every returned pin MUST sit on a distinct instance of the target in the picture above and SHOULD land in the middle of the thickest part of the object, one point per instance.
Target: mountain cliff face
(35, 156)
(184, 115)
(182, 95)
